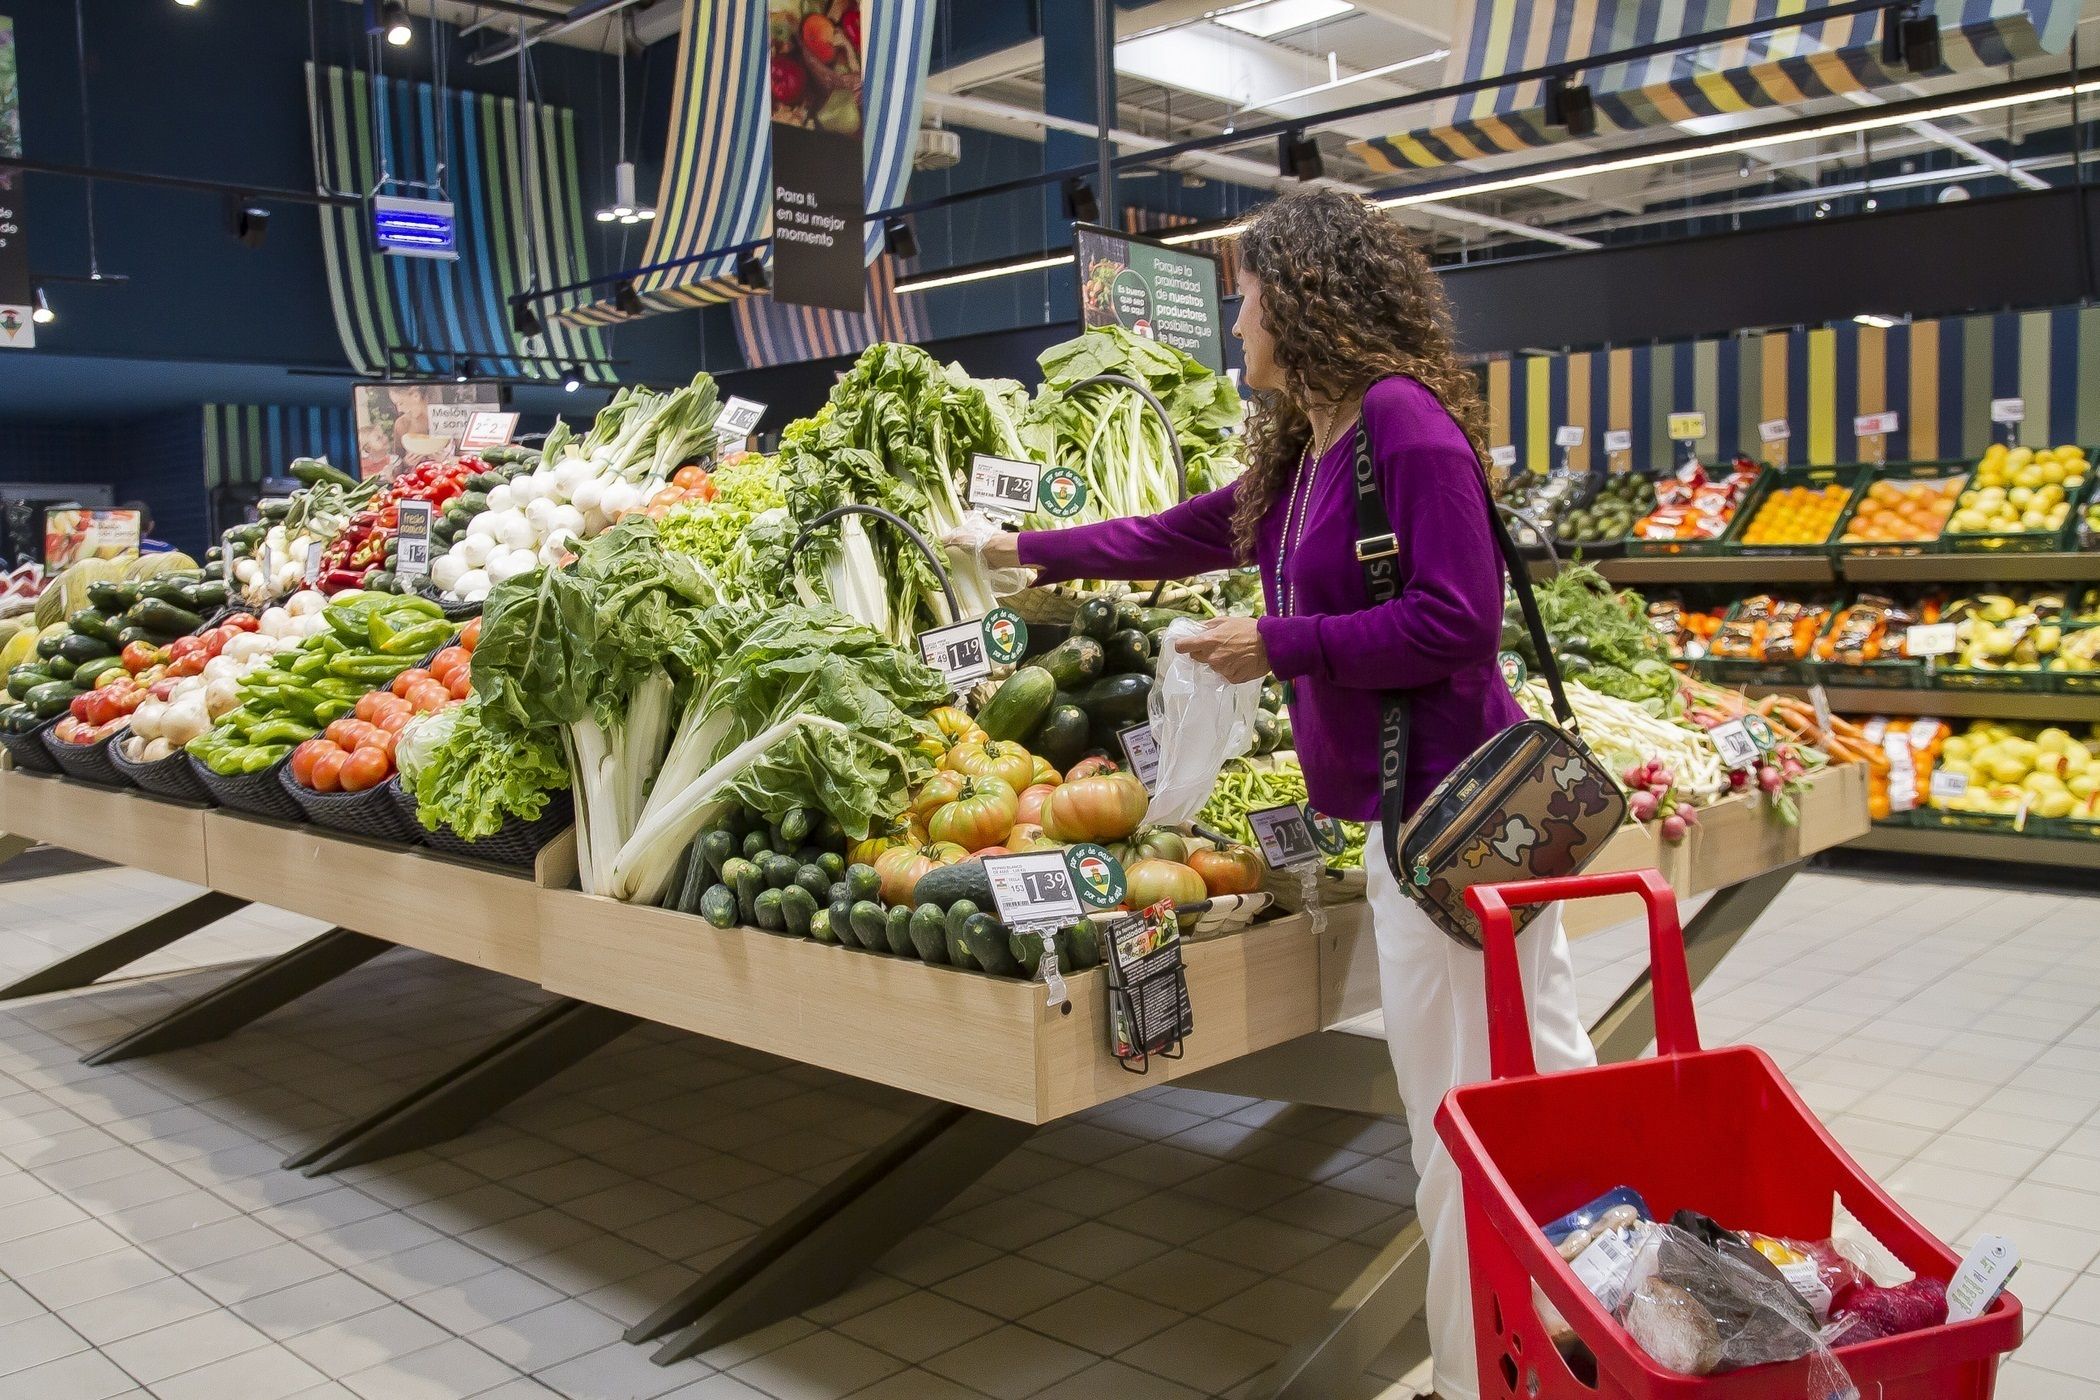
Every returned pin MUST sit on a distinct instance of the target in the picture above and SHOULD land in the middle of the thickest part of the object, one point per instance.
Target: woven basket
(516, 843)
(90, 763)
(164, 777)
(259, 793)
(371, 813)
(28, 749)
(1043, 606)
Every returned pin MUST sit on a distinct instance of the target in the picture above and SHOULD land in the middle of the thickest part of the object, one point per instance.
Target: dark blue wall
(157, 458)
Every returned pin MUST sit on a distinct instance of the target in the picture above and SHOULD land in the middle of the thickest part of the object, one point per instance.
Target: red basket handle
(1509, 1028)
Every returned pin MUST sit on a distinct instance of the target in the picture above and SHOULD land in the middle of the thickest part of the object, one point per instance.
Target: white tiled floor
(1171, 1246)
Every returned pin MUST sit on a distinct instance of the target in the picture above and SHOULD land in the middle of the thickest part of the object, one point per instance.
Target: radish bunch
(1653, 793)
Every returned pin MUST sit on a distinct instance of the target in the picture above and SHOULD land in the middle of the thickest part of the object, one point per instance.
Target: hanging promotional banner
(401, 424)
(819, 203)
(1165, 294)
(17, 297)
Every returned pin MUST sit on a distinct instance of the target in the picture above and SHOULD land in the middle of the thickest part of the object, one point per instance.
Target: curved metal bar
(940, 570)
(1538, 528)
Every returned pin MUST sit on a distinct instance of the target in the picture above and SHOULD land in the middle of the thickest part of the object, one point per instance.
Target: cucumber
(210, 593)
(840, 914)
(717, 847)
(24, 678)
(1075, 662)
(862, 881)
(747, 883)
(1115, 701)
(484, 482)
(780, 870)
(112, 596)
(755, 842)
(928, 932)
(165, 590)
(946, 884)
(870, 924)
(796, 826)
(1082, 944)
(61, 668)
(47, 647)
(821, 928)
(1060, 739)
(89, 623)
(163, 618)
(897, 928)
(1027, 950)
(959, 914)
(718, 906)
(1095, 618)
(1019, 704)
(768, 911)
(832, 864)
(475, 501)
(50, 699)
(986, 937)
(813, 879)
(1131, 651)
(798, 906)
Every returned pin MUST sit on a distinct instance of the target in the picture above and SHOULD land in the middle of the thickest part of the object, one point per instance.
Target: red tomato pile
(356, 752)
(149, 672)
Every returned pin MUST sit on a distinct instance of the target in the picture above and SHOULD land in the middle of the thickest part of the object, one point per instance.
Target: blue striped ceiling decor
(1778, 68)
(519, 225)
(773, 332)
(243, 443)
(717, 176)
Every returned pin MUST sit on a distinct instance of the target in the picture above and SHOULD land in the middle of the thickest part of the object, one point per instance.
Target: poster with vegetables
(17, 328)
(1149, 289)
(73, 535)
(819, 203)
(402, 424)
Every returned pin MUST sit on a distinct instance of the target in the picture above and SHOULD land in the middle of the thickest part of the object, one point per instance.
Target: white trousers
(1435, 1001)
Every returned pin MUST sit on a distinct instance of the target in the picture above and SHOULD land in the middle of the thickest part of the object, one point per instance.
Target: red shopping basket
(1716, 1131)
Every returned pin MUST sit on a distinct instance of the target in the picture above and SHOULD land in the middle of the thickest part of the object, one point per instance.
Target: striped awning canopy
(519, 225)
(1775, 69)
(243, 443)
(715, 191)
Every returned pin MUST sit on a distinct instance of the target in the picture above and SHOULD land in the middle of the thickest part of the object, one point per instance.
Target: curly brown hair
(1349, 299)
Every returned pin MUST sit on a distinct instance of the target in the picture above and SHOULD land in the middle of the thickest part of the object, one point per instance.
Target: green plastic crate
(1894, 471)
(1853, 478)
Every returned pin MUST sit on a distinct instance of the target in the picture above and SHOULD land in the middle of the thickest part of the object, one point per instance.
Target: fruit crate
(2007, 682)
(2075, 682)
(2072, 828)
(1895, 471)
(1941, 819)
(1852, 479)
(1610, 547)
(2025, 541)
(1865, 675)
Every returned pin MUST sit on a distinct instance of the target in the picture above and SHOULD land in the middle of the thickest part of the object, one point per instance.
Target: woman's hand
(994, 548)
(1232, 647)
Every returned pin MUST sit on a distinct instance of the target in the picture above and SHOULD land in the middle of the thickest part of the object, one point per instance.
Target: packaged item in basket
(1870, 1312)
(1742, 637)
(1587, 1216)
(1818, 1271)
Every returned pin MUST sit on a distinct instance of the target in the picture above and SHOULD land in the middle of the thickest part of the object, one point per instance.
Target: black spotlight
(462, 371)
(625, 299)
(571, 379)
(1298, 157)
(751, 273)
(897, 238)
(1570, 106)
(247, 221)
(1921, 43)
(1080, 205)
(525, 321)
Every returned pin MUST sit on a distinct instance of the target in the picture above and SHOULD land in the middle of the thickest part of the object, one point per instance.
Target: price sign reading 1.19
(958, 652)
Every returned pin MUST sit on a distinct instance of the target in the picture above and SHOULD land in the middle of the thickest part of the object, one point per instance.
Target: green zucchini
(47, 647)
(1130, 651)
(112, 596)
(475, 501)
(1115, 701)
(1075, 662)
(61, 668)
(897, 928)
(1095, 618)
(986, 937)
(132, 632)
(1019, 704)
(484, 482)
(1060, 739)
(90, 674)
(89, 623)
(164, 590)
(24, 678)
(80, 647)
(797, 906)
(50, 699)
(718, 906)
(163, 618)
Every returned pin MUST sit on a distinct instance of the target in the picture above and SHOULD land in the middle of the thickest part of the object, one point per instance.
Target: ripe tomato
(191, 665)
(328, 770)
(304, 758)
(393, 721)
(341, 733)
(451, 659)
(427, 696)
(368, 767)
(368, 705)
(137, 656)
(408, 678)
(80, 706)
(462, 684)
(244, 622)
(471, 637)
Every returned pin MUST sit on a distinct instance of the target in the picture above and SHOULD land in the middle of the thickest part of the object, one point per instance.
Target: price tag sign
(1618, 440)
(1687, 427)
(1033, 888)
(1737, 748)
(1286, 837)
(1820, 698)
(1948, 787)
(1876, 424)
(1141, 748)
(958, 652)
(1931, 639)
(1002, 486)
(412, 553)
(1774, 430)
(313, 562)
(1504, 456)
(1568, 435)
(487, 428)
(2008, 410)
(737, 418)
(1992, 1262)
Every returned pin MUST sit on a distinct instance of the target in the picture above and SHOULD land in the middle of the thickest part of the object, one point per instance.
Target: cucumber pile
(71, 657)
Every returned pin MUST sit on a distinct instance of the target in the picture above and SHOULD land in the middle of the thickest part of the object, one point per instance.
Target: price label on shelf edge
(737, 418)
(1568, 435)
(1733, 741)
(412, 538)
(313, 562)
(1687, 427)
(1002, 486)
(1033, 889)
(1948, 787)
(1931, 639)
(1775, 430)
(1504, 456)
(1285, 836)
(2008, 410)
(1141, 749)
(958, 652)
(1618, 440)
(1876, 424)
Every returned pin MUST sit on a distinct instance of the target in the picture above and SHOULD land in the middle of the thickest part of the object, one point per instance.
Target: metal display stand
(122, 949)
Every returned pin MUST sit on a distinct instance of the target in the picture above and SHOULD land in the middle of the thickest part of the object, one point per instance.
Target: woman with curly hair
(1346, 330)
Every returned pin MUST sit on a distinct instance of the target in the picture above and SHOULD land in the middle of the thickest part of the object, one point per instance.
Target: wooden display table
(119, 825)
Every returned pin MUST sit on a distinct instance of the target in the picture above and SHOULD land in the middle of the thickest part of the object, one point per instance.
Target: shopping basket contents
(1683, 1246)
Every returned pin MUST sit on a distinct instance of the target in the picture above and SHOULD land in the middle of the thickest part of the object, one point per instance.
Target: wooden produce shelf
(989, 1043)
(1733, 841)
(2043, 706)
(121, 826)
(1981, 845)
(471, 913)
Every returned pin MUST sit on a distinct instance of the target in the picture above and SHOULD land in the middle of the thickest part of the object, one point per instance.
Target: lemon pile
(2051, 770)
(2020, 490)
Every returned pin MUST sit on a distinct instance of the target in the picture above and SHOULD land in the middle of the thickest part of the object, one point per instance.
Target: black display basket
(372, 813)
(88, 763)
(28, 749)
(516, 843)
(259, 794)
(163, 777)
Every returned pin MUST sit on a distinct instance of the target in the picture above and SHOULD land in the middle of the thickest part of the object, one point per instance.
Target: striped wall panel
(247, 442)
(774, 333)
(520, 225)
(1779, 68)
(717, 174)
(1939, 376)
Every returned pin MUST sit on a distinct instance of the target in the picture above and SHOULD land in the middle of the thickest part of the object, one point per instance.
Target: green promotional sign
(1162, 293)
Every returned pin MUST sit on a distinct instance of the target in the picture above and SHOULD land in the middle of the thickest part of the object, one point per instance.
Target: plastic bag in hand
(1199, 720)
(971, 536)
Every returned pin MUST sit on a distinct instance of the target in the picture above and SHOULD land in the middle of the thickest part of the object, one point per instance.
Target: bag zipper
(1462, 827)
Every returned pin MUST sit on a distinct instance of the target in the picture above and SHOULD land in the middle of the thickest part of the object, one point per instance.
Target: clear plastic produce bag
(1199, 720)
(969, 539)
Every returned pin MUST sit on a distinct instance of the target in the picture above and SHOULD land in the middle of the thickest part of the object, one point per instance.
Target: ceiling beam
(1429, 18)
(1022, 59)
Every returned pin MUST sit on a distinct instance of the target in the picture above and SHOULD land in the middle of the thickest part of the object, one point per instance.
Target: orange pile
(1903, 512)
(1797, 515)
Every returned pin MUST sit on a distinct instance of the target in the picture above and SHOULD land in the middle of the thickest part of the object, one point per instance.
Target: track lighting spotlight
(525, 321)
(247, 221)
(751, 273)
(1571, 106)
(1080, 205)
(393, 20)
(1909, 39)
(571, 379)
(43, 315)
(626, 300)
(898, 240)
(463, 370)
(1298, 157)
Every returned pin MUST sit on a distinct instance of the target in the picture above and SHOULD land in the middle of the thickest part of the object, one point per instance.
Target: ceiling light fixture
(1875, 319)
(43, 315)
(1433, 56)
(525, 321)
(571, 379)
(1298, 157)
(1571, 107)
(627, 206)
(393, 21)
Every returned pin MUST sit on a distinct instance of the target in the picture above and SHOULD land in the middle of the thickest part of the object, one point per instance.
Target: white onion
(587, 494)
(511, 564)
(541, 514)
(445, 572)
(483, 526)
(567, 518)
(556, 546)
(305, 602)
(475, 551)
(516, 532)
(472, 583)
(500, 498)
(570, 474)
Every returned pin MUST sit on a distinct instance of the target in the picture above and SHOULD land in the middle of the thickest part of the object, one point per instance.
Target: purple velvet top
(1438, 639)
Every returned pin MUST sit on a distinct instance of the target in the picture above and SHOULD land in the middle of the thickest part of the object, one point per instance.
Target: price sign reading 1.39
(1033, 888)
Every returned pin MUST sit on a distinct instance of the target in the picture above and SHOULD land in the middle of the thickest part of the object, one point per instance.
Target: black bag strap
(1377, 550)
